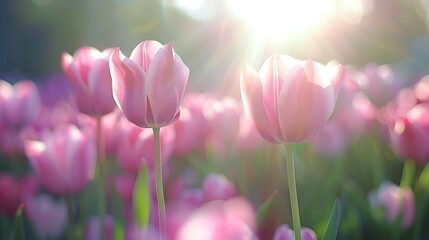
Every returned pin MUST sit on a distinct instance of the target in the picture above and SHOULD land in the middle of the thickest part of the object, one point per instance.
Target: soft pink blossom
(137, 145)
(49, 217)
(227, 220)
(92, 228)
(89, 75)
(64, 160)
(19, 104)
(13, 191)
(410, 134)
(290, 100)
(380, 83)
(149, 86)
(283, 232)
(223, 116)
(395, 202)
(217, 187)
(192, 126)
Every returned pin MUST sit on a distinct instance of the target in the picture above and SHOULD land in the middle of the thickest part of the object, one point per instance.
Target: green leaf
(333, 223)
(408, 174)
(424, 178)
(141, 198)
(119, 233)
(18, 225)
(262, 210)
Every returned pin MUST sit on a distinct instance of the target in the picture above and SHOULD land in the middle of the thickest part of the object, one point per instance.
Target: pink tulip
(19, 104)
(148, 87)
(64, 160)
(92, 229)
(137, 145)
(218, 187)
(177, 214)
(331, 139)
(290, 100)
(248, 138)
(380, 83)
(136, 233)
(395, 202)
(283, 232)
(89, 75)
(110, 125)
(223, 116)
(192, 126)
(48, 217)
(13, 191)
(227, 220)
(421, 89)
(410, 134)
(194, 196)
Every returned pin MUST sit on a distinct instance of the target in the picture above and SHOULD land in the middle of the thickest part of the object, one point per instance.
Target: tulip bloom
(395, 202)
(88, 72)
(232, 219)
(14, 191)
(19, 104)
(148, 87)
(283, 232)
(290, 100)
(48, 217)
(218, 187)
(65, 160)
(138, 143)
(410, 134)
(92, 229)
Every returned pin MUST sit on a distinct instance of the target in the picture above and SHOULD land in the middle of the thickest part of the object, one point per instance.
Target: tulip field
(120, 143)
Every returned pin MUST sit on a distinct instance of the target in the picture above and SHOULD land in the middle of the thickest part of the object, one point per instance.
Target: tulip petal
(76, 82)
(28, 96)
(66, 61)
(144, 53)
(167, 76)
(252, 97)
(273, 73)
(337, 79)
(100, 86)
(303, 105)
(41, 162)
(84, 57)
(129, 88)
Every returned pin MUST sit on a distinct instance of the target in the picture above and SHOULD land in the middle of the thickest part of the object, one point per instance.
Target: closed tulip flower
(410, 134)
(290, 100)
(395, 202)
(283, 232)
(64, 160)
(89, 75)
(48, 216)
(148, 87)
(19, 104)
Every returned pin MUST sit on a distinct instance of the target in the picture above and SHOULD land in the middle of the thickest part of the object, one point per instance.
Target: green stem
(408, 174)
(159, 187)
(100, 161)
(69, 204)
(292, 192)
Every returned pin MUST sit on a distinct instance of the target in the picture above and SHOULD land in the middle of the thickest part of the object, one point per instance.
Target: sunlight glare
(278, 18)
(197, 9)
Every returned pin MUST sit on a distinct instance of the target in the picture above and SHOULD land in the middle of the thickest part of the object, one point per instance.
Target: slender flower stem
(69, 204)
(408, 174)
(159, 186)
(292, 192)
(100, 161)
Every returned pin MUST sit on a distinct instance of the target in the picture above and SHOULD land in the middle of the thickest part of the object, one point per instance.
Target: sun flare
(278, 18)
